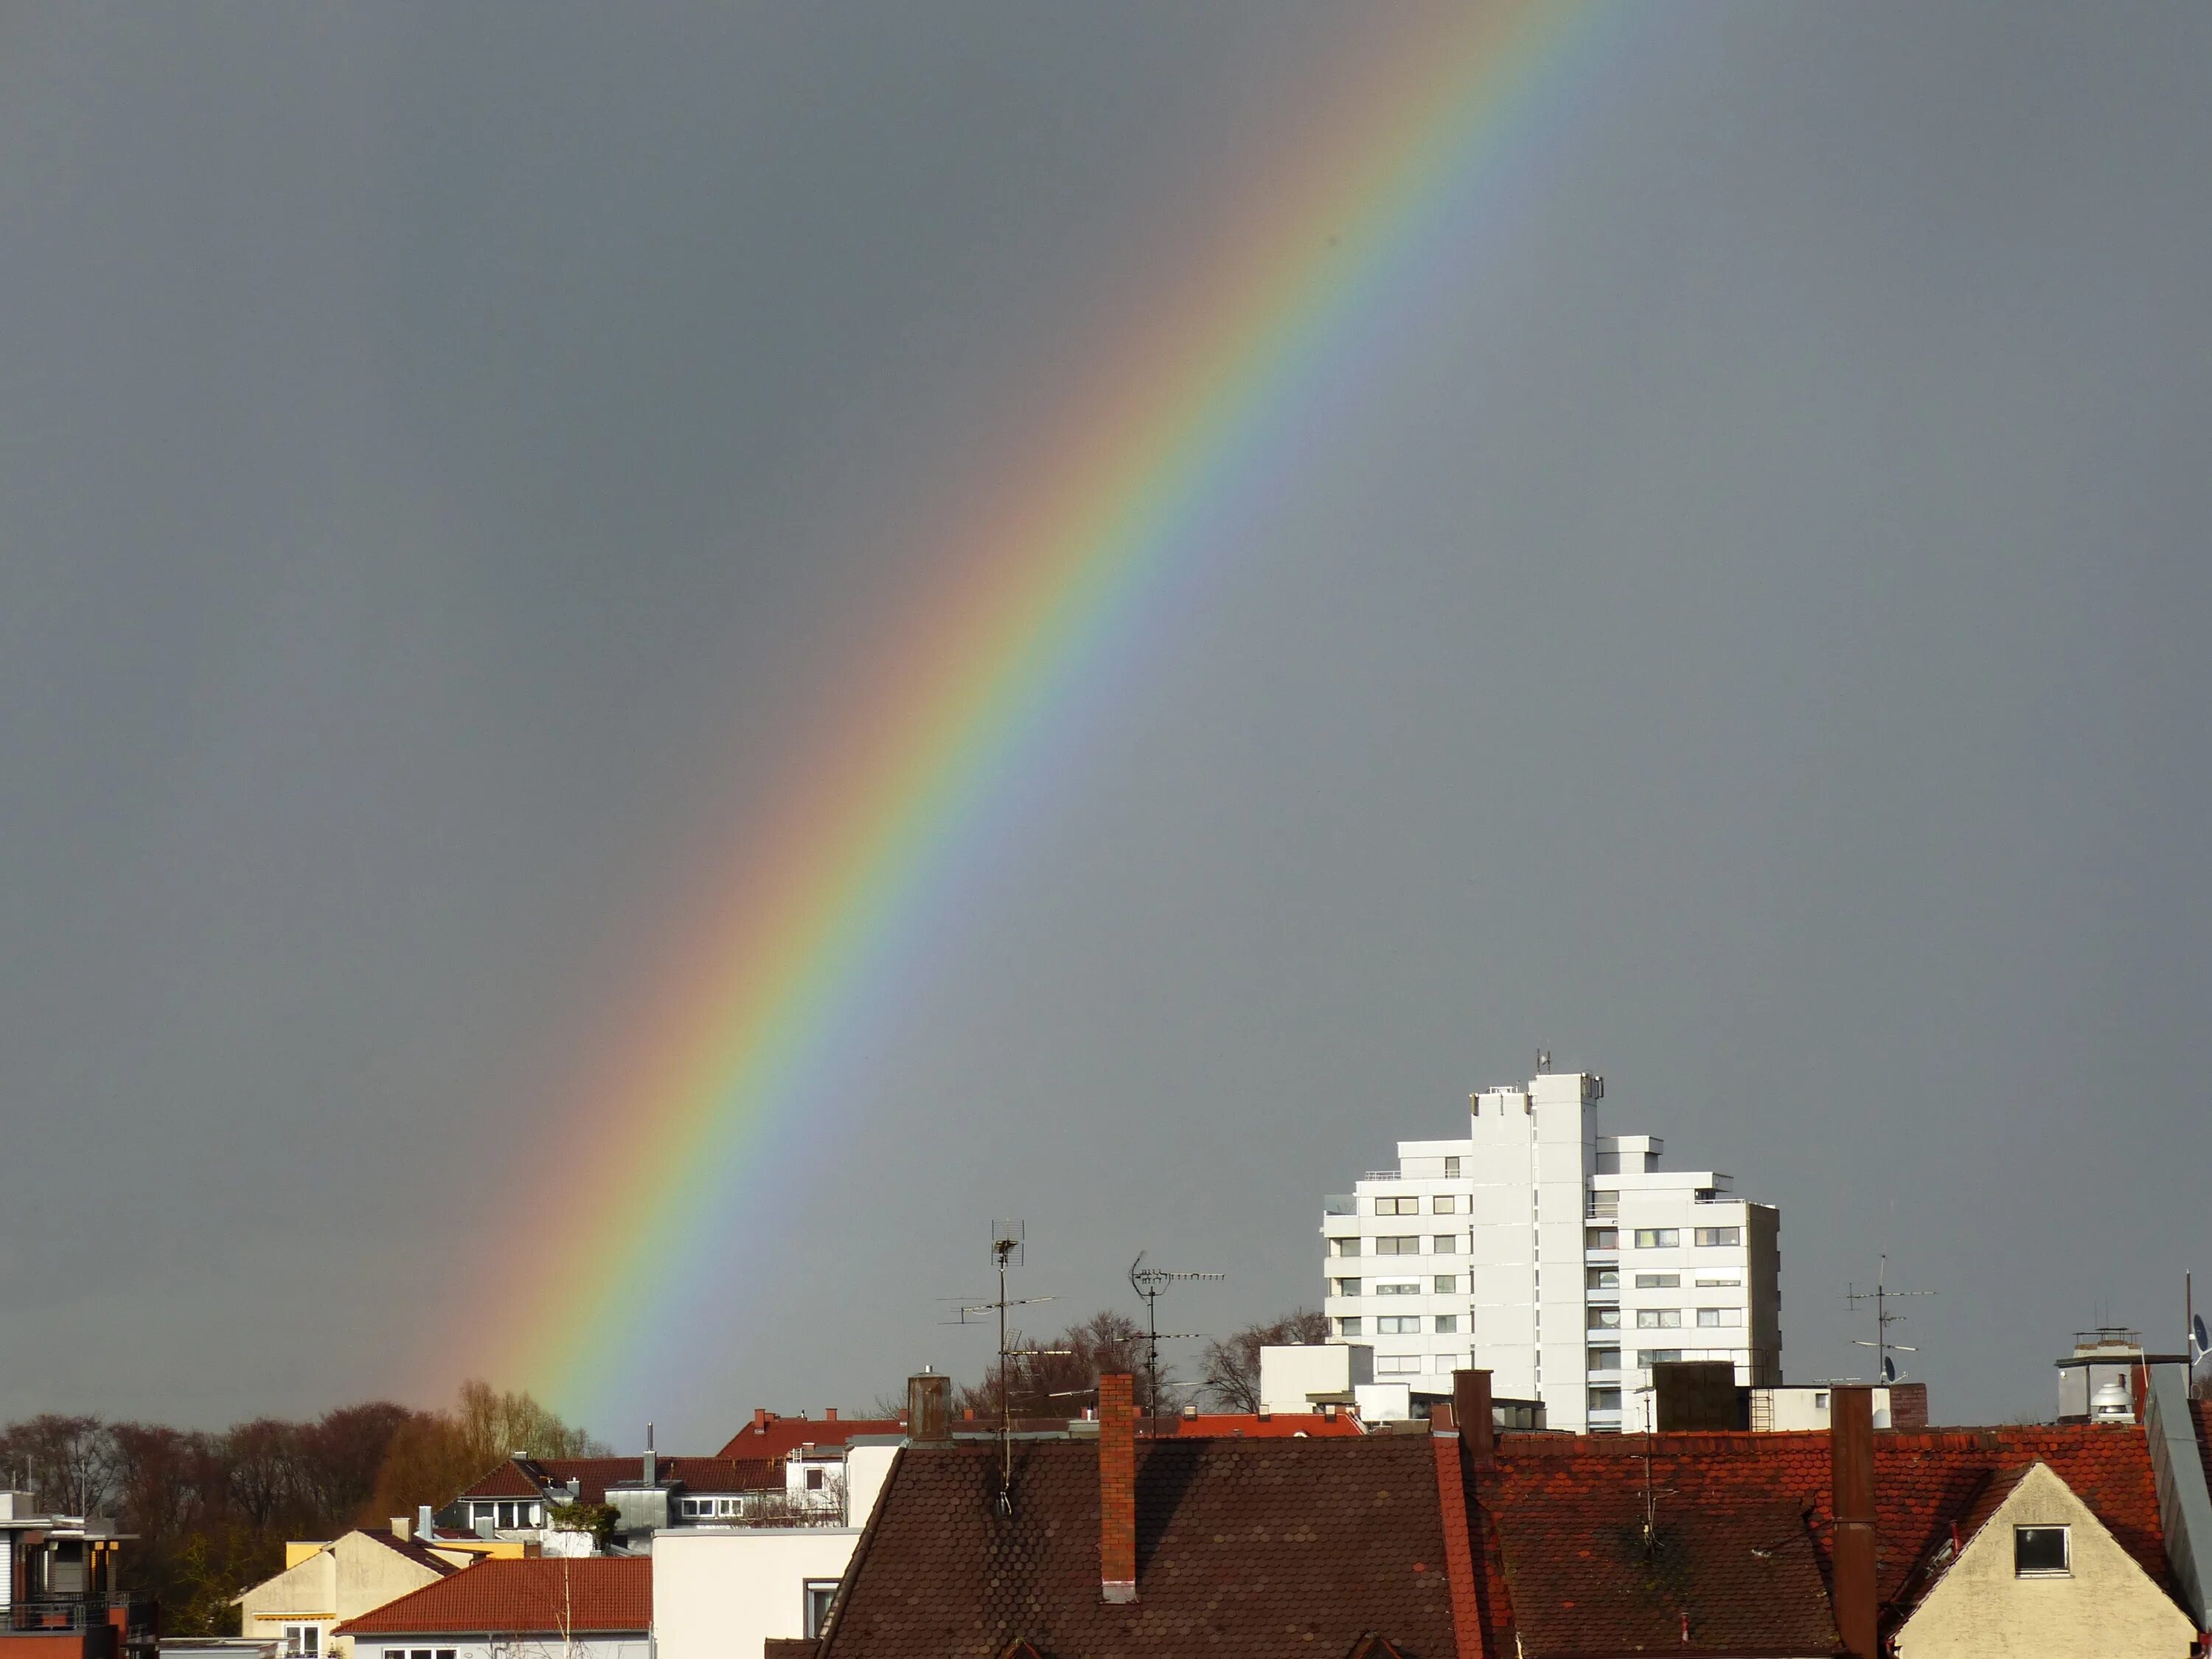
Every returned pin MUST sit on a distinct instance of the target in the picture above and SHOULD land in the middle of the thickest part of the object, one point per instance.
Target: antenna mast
(1148, 1283)
(1006, 1245)
(1881, 1296)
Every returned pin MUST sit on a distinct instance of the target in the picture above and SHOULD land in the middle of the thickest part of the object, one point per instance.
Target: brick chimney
(829, 1413)
(1117, 1487)
(926, 1403)
(761, 1415)
(1471, 1415)
(1850, 1452)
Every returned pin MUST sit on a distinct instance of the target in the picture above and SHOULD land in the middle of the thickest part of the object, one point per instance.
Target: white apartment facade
(1564, 1261)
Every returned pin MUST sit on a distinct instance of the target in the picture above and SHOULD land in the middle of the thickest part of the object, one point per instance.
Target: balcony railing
(1340, 1204)
(77, 1613)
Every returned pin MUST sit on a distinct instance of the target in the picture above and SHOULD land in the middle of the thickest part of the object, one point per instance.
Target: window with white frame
(1600, 1238)
(1447, 1324)
(1397, 1364)
(1658, 1281)
(303, 1641)
(1605, 1400)
(1398, 1287)
(1604, 1359)
(1601, 1279)
(1398, 1244)
(1651, 1357)
(1344, 1247)
(1348, 1325)
(1657, 1239)
(1710, 1236)
(1397, 1206)
(1447, 1284)
(1605, 1318)
(1397, 1324)
(1445, 1243)
(1345, 1286)
(1715, 1318)
(1444, 1204)
(819, 1592)
(1451, 1169)
(1720, 1284)
(1658, 1319)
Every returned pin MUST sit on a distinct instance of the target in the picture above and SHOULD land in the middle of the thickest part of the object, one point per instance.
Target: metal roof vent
(2111, 1403)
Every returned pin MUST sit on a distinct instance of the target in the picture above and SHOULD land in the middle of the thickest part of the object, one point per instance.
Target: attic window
(2039, 1553)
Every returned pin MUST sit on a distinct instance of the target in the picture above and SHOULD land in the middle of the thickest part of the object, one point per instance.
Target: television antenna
(1008, 1245)
(1881, 1296)
(1148, 1283)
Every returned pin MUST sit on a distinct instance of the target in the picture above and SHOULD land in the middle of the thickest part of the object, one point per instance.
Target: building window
(1658, 1319)
(1447, 1324)
(1447, 1284)
(1604, 1203)
(1451, 1169)
(1657, 1239)
(1600, 1238)
(1605, 1318)
(1400, 1287)
(1651, 1357)
(1819, 1399)
(819, 1594)
(303, 1641)
(1347, 1286)
(1398, 1244)
(1397, 1324)
(1710, 1236)
(486, 1515)
(1348, 1325)
(1713, 1318)
(1344, 1247)
(1720, 1284)
(1397, 1364)
(1444, 1204)
(814, 1479)
(1658, 1281)
(2039, 1553)
(1601, 1279)
(1604, 1359)
(1397, 1206)
(1605, 1400)
(1446, 1244)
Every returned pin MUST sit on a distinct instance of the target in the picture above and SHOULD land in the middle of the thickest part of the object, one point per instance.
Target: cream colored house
(325, 1584)
(2041, 1578)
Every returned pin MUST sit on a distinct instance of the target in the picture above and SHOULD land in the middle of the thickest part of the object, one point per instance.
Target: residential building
(2032, 1542)
(323, 1584)
(2097, 1381)
(517, 1499)
(768, 1436)
(1564, 1261)
(59, 1593)
(541, 1608)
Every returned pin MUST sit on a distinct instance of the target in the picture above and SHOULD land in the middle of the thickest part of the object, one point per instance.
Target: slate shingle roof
(1245, 1548)
(599, 1594)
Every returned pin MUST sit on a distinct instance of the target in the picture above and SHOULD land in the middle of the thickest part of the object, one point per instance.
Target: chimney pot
(1850, 1453)
(829, 1413)
(1471, 1413)
(1117, 1487)
(761, 1415)
(426, 1524)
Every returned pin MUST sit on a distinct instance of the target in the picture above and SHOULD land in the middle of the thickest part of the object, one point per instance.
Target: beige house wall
(2105, 1604)
(352, 1576)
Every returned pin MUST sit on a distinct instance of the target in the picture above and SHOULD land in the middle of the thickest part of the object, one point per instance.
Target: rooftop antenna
(1543, 1062)
(1149, 1282)
(1881, 1296)
(1008, 1244)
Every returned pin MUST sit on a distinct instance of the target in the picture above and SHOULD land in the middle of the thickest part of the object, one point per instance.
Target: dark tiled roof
(1273, 1426)
(540, 1477)
(789, 1647)
(408, 1547)
(779, 1437)
(536, 1597)
(1244, 1548)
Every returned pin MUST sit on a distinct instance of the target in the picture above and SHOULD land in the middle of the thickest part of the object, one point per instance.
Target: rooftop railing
(1339, 1204)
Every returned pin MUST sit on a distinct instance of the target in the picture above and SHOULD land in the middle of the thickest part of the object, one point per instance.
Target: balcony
(64, 1613)
(1340, 1204)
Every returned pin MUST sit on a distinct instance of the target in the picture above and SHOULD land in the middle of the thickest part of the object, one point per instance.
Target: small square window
(1348, 1325)
(1446, 1244)
(1600, 1238)
(1444, 1204)
(1451, 1169)
(1601, 1279)
(1605, 1318)
(1447, 1324)
(2039, 1553)
(814, 1478)
(1345, 1286)
(1446, 1284)
(1605, 1400)
(1604, 1359)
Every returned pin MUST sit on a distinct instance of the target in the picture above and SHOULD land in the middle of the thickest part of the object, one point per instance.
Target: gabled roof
(1244, 1548)
(538, 1596)
(408, 1547)
(771, 1436)
(547, 1477)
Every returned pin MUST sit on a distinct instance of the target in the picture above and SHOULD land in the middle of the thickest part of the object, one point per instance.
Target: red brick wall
(1117, 1487)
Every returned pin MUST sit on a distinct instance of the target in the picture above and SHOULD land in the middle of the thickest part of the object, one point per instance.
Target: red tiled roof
(547, 1477)
(1277, 1425)
(1245, 1548)
(771, 1436)
(536, 1597)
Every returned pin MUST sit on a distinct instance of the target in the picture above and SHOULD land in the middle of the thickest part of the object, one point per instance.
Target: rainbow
(782, 964)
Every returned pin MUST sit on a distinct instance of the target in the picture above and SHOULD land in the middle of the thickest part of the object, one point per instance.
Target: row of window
(419, 1653)
(1608, 1279)
(1440, 1204)
(1396, 1324)
(506, 1517)
(1665, 1319)
(1440, 1284)
(1608, 1359)
(1662, 1238)
(1399, 1244)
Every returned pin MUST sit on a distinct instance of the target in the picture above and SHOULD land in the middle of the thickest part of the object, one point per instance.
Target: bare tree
(1229, 1369)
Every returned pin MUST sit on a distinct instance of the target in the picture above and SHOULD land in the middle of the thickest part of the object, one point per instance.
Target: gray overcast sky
(1740, 621)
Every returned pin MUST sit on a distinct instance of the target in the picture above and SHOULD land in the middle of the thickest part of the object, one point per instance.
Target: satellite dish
(2199, 1338)
(1888, 1368)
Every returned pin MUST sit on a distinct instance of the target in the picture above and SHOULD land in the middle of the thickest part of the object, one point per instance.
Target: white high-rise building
(1567, 1261)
